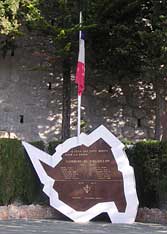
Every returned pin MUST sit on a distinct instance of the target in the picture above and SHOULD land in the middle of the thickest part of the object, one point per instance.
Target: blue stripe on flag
(82, 35)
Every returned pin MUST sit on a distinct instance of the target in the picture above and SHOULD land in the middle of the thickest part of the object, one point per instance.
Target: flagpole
(79, 115)
(79, 96)
(80, 23)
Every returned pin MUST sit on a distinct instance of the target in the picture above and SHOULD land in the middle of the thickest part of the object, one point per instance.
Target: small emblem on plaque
(87, 188)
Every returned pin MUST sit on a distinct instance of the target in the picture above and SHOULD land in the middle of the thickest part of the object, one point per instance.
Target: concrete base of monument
(88, 175)
(30, 212)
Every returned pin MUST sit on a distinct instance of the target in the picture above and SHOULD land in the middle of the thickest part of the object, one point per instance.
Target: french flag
(80, 72)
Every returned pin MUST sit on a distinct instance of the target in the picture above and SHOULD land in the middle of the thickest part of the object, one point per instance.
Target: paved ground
(66, 227)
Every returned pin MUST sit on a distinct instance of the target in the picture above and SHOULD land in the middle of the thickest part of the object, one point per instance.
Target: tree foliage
(115, 40)
(153, 35)
(61, 23)
(14, 12)
(130, 35)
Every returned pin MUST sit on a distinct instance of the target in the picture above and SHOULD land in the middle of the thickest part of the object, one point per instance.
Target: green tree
(153, 34)
(130, 44)
(61, 21)
(14, 15)
(114, 40)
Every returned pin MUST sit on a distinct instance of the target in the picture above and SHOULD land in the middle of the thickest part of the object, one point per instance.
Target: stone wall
(126, 111)
(145, 215)
(31, 110)
(28, 212)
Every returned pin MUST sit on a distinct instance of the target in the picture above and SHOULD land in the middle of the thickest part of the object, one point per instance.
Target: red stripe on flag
(80, 77)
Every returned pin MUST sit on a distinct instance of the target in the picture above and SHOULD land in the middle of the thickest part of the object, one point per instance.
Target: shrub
(18, 181)
(149, 160)
(52, 146)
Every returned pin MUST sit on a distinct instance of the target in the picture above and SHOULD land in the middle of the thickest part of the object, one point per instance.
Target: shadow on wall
(31, 99)
(127, 109)
(30, 93)
(124, 113)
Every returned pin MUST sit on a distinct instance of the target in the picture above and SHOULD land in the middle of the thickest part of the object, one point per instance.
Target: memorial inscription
(87, 176)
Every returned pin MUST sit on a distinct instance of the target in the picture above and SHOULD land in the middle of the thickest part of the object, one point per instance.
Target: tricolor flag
(80, 73)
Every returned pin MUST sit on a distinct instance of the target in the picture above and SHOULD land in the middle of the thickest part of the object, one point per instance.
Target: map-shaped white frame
(110, 208)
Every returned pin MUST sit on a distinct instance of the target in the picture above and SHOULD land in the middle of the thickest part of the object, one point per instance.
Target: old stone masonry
(31, 98)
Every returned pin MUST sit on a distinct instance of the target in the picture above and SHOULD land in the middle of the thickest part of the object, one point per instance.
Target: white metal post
(79, 115)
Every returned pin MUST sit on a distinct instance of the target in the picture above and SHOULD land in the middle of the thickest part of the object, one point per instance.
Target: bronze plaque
(87, 176)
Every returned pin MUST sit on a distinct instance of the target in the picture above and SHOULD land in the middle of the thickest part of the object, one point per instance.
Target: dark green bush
(52, 146)
(18, 180)
(149, 160)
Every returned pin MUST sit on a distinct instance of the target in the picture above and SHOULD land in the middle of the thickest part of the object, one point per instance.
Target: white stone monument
(88, 175)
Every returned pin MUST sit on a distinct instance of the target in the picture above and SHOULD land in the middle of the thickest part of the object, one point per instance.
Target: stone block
(3, 213)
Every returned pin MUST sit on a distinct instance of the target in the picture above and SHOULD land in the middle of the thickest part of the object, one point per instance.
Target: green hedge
(19, 182)
(149, 160)
(52, 146)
